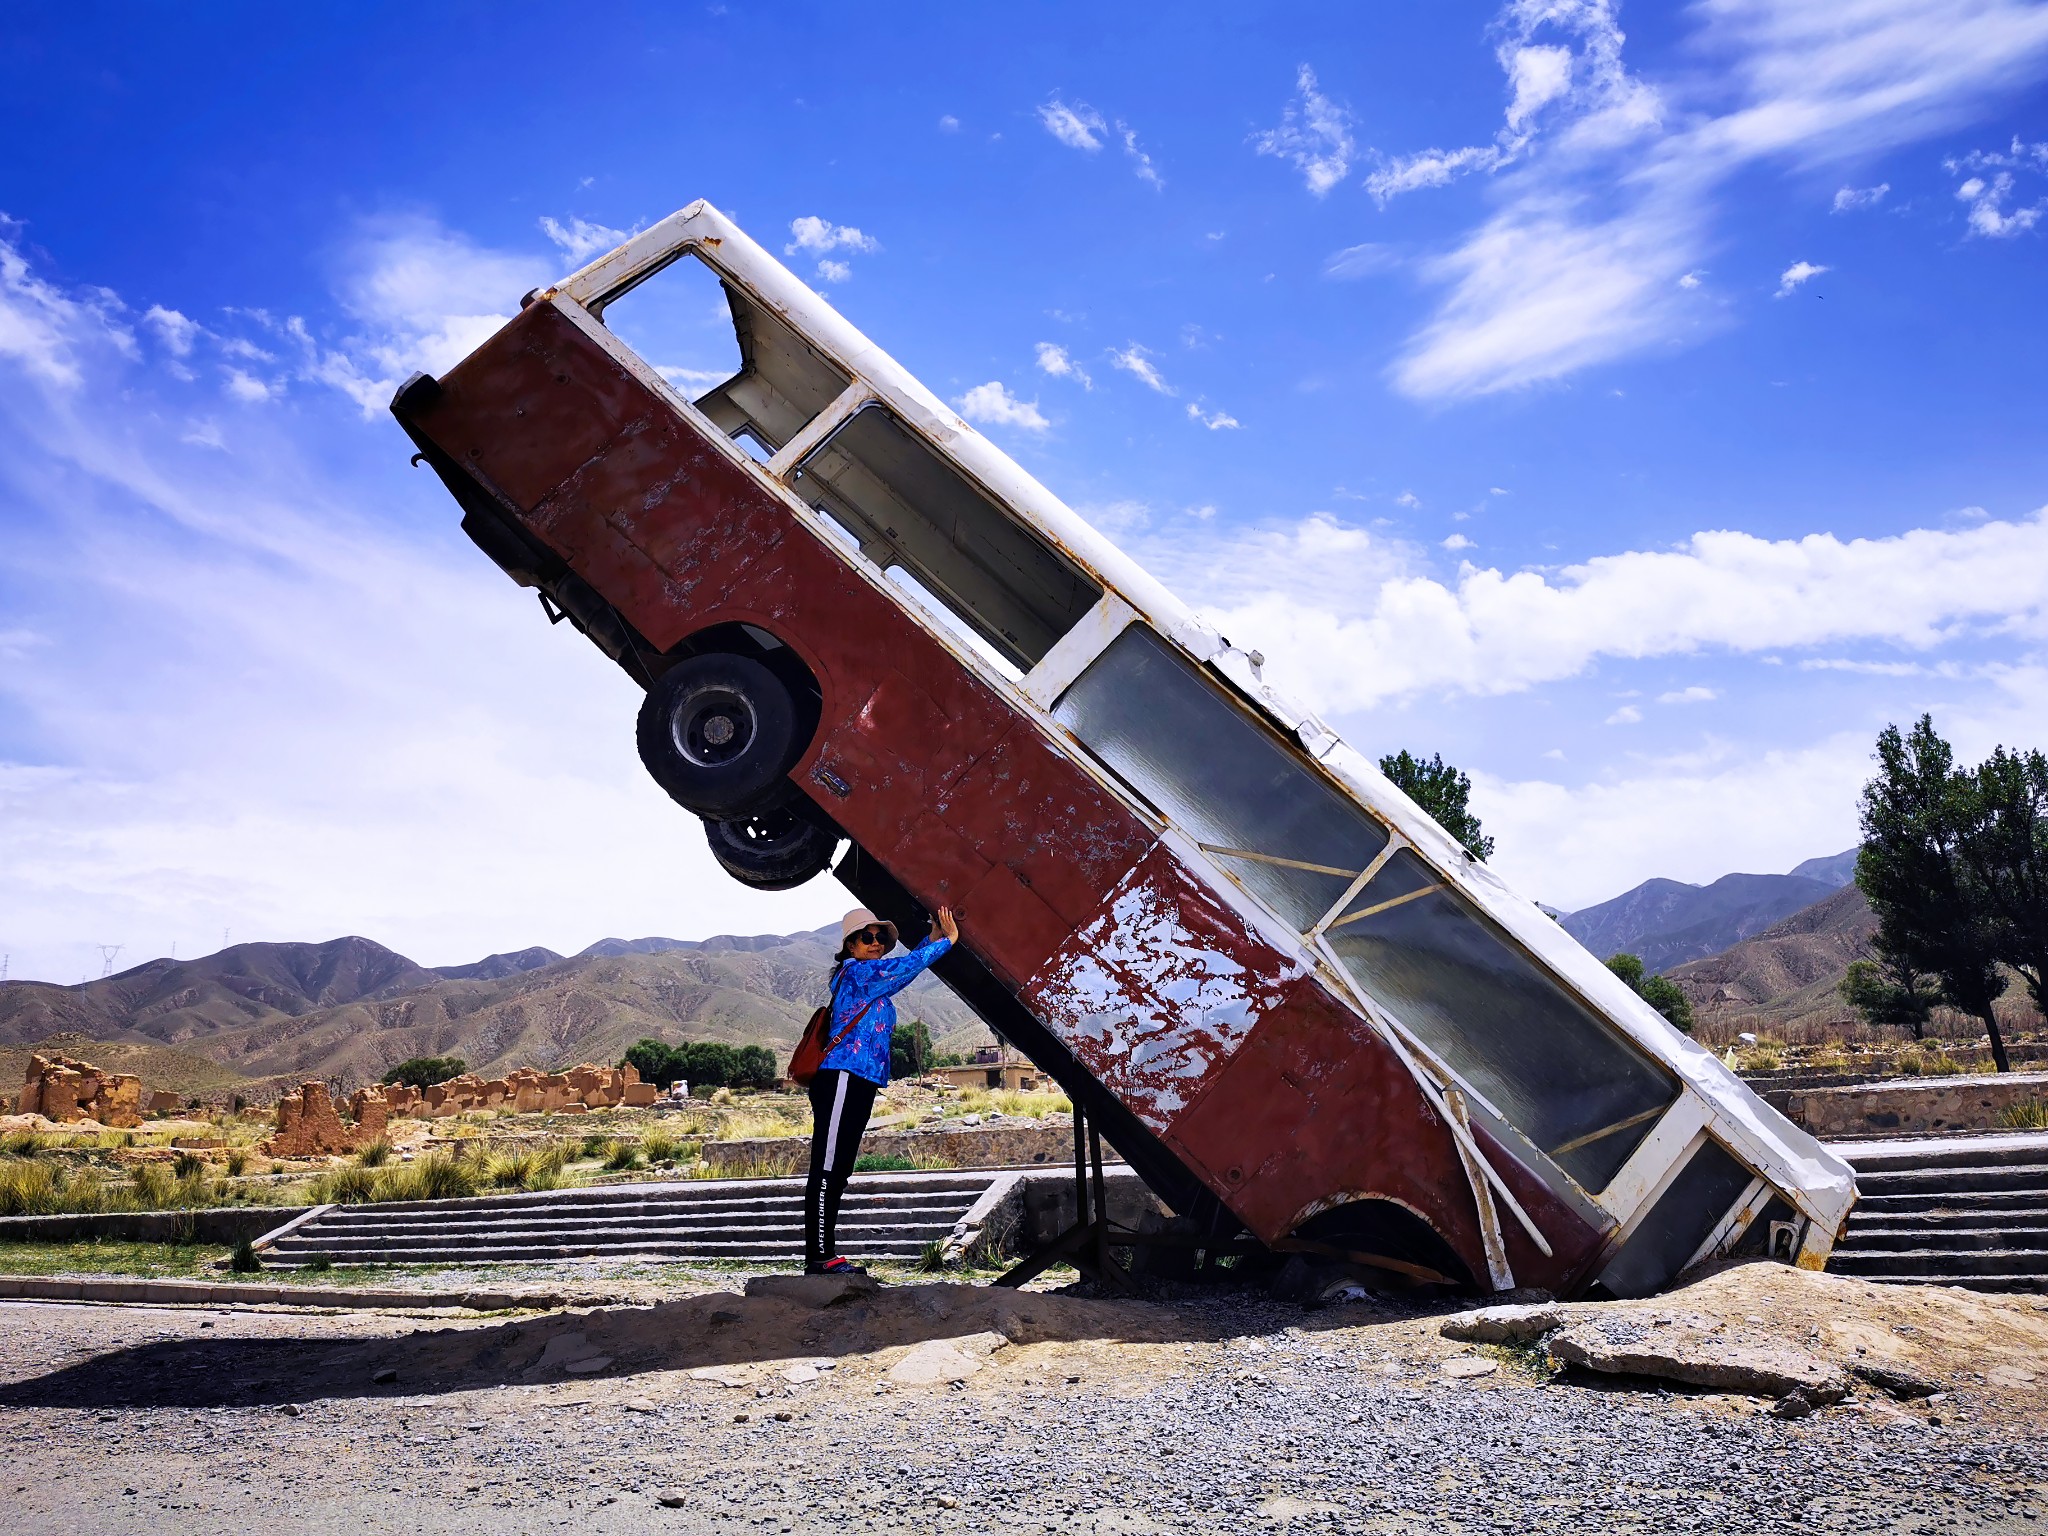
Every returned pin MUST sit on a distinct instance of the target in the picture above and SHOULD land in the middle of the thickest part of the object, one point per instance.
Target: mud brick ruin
(526, 1092)
(61, 1089)
(309, 1125)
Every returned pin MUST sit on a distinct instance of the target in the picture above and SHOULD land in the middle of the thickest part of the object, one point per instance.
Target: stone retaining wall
(1914, 1105)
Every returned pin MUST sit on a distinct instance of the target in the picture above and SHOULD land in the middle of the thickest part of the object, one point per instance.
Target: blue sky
(1641, 406)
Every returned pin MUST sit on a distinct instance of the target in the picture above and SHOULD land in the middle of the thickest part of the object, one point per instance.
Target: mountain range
(1667, 922)
(255, 1018)
(348, 1009)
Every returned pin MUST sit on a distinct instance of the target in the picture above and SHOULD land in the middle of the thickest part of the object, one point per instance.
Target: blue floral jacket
(865, 1052)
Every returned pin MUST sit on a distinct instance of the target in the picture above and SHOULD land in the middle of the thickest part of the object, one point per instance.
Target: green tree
(656, 1061)
(754, 1066)
(1660, 992)
(1917, 814)
(1444, 793)
(425, 1071)
(2005, 861)
(910, 1049)
(710, 1064)
(1885, 992)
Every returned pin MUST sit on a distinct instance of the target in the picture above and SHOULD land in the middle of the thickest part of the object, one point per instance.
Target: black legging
(840, 1106)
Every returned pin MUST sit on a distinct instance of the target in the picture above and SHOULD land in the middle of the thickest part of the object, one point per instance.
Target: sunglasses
(872, 936)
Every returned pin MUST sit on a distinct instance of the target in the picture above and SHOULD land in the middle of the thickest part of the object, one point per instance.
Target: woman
(856, 1066)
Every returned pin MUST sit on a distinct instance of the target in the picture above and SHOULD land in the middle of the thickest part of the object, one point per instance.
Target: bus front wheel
(719, 732)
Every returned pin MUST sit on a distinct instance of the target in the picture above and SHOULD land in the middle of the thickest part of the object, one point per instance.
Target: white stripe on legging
(832, 1126)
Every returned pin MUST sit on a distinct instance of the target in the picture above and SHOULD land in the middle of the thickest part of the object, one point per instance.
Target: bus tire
(719, 732)
(773, 851)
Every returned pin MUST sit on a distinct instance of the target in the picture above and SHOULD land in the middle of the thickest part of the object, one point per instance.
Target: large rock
(1695, 1353)
(1504, 1325)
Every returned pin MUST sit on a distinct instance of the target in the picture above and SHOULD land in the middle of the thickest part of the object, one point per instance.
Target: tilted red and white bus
(1287, 997)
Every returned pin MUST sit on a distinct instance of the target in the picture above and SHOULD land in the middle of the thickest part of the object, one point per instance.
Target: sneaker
(841, 1267)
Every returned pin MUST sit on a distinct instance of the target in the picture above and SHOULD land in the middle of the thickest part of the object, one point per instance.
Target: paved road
(1207, 1414)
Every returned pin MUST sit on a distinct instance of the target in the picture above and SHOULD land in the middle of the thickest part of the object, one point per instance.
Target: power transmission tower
(107, 953)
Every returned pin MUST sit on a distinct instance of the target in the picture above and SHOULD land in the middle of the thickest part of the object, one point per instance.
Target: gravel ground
(1200, 1412)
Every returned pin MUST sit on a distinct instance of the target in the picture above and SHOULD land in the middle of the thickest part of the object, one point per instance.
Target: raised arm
(885, 978)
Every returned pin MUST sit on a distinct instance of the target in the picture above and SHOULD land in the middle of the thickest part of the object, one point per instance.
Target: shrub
(661, 1147)
(619, 1156)
(375, 1155)
(22, 1144)
(153, 1185)
(933, 1258)
(238, 1163)
(30, 1188)
(882, 1162)
(540, 1168)
(425, 1071)
(2029, 1116)
(436, 1177)
(347, 1185)
(189, 1165)
(594, 1145)
(243, 1260)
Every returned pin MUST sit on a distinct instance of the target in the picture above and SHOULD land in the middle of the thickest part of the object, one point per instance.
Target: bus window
(739, 363)
(1561, 1076)
(910, 508)
(1162, 727)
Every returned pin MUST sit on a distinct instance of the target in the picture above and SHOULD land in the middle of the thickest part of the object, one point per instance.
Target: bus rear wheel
(772, 851)
(719, 732)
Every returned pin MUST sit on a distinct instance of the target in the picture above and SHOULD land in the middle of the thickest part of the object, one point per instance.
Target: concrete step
(892, 1216)
(479, 1224)
(315, 1238)
(1950, 1240)
(1952, 1200)
(1868, 1157)
(2021, 1213)
(1954, 1179)
(1870, 1263)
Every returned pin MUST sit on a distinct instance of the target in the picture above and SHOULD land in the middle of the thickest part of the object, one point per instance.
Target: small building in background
(996, 1067)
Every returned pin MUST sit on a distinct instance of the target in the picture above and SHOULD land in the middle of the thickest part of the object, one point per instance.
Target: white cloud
(1053, 359)
(1628, 714)
(1608, 194)
(47, 331)
(1141, 163)
(1362, 261)
(1371, 624)
(1456, 542)
(1137, 362)
(204, 434)
(1689, 280)
(246, 386)
(949, 123)
(835, 271)
(1215, 421)
(1799, 272)
(1985, 198)
(1407, 499)
(1078, 127)
(1696, 694)
(580, 239)
(821, 237)
(1849, 199)
(172, 329)
(1314, 136)
(1582, 68)
(993, 405)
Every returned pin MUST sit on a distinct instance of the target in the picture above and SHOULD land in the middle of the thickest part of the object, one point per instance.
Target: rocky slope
(1668, 922)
